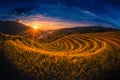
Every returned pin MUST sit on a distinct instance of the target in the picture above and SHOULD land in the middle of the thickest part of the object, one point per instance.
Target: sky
(55, 14)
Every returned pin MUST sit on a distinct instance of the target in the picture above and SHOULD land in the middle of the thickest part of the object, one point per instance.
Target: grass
(92, 56)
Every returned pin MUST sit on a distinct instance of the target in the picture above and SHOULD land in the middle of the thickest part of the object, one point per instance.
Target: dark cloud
(22, 10)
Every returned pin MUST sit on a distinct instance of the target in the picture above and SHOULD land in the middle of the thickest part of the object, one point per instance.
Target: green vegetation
(92, 56)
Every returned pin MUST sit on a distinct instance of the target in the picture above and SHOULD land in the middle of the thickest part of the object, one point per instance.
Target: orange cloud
(48, 23)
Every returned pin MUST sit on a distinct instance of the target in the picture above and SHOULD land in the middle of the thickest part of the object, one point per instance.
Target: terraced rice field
(91, 56)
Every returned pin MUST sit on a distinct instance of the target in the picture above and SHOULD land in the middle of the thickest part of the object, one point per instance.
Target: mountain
(91, 29)
(16, 28)
(12, 27)
(55, 34)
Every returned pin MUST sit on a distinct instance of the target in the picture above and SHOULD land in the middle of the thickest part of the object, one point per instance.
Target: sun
(35, 27)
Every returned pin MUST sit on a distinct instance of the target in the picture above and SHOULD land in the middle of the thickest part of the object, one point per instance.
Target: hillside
(12, 27)
(91, 56)
(56, 34)
(89, 29)
(89, 53)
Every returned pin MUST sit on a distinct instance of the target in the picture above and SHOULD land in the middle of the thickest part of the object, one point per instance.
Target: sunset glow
(48, 23)
(35, 27)
(59, 39)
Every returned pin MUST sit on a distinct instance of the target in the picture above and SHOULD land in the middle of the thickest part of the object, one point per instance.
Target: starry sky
(54, 14)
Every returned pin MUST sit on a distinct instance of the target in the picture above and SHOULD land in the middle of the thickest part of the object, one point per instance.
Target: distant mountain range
(16, 28)
(90, 29)
(55, 34)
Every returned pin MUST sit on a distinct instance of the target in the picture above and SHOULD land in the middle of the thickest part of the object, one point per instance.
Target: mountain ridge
(16, 28)
(12, 27)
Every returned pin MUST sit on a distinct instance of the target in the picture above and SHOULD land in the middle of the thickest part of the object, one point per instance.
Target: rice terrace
(76, 56)
(59, 40)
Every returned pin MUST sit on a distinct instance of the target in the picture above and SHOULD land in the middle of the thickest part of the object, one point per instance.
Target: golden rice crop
(91, 56)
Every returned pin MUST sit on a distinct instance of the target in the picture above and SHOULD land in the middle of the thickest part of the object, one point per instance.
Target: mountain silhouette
(13, 27)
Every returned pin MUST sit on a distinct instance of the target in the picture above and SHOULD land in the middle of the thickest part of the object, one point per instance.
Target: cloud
(88, 12)
(50, 23)
(72, 11)
(22, 10)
